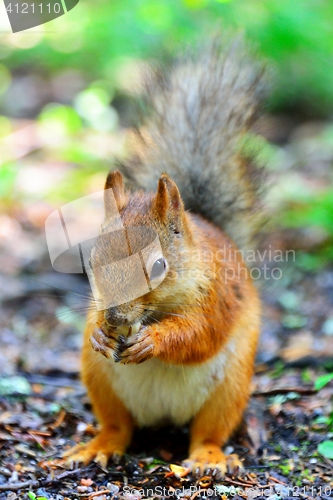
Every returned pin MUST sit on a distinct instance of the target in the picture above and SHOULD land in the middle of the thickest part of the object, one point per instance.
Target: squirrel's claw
(137, 349)
(210, 460)
(99, 450)
(105, 344)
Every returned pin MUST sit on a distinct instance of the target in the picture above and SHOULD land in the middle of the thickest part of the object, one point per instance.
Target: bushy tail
(201, 110)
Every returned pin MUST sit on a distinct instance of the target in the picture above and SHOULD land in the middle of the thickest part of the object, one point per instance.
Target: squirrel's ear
(115, 182)
(168, 203)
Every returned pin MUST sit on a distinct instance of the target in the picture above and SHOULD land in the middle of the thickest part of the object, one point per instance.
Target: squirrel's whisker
(63, 289)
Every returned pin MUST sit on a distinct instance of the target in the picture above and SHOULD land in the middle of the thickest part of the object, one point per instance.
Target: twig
(237, 483)
(38, 484)
(255, 467)
(63, 474)
(285, 390)
(245, 482)
(98, 493)
(277, 480)
(19, 486)
(328, 462)
(53, 381)
(197, 493)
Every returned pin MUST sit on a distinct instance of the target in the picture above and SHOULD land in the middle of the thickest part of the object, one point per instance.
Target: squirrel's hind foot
(100, 450)
(209, 459)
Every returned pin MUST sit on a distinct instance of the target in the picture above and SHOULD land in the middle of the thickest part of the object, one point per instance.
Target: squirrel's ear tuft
(168, 203)
(115, 182)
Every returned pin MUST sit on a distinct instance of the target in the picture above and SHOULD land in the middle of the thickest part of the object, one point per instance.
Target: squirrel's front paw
(104, 343)
(135, 349)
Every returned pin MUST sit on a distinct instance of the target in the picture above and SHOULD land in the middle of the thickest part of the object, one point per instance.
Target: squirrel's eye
(158, 269)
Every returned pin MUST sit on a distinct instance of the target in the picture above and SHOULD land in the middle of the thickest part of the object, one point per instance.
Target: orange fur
(205, 314)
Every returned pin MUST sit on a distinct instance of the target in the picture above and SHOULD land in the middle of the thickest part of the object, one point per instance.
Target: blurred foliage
(97, 37)
(323, 380)
(326, 449)
(313, 212)
(73, 76)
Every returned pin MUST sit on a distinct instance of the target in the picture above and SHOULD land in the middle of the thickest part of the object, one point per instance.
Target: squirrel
(188, 354)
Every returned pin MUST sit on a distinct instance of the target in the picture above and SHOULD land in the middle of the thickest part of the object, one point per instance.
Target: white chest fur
(155, 392)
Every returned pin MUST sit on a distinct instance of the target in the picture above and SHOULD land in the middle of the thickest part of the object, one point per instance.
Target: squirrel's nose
(114, 317)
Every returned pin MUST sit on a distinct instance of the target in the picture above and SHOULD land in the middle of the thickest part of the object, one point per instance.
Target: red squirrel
(183, 352)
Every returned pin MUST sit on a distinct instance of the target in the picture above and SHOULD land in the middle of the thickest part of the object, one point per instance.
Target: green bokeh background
(101, 42)
(296, 37)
